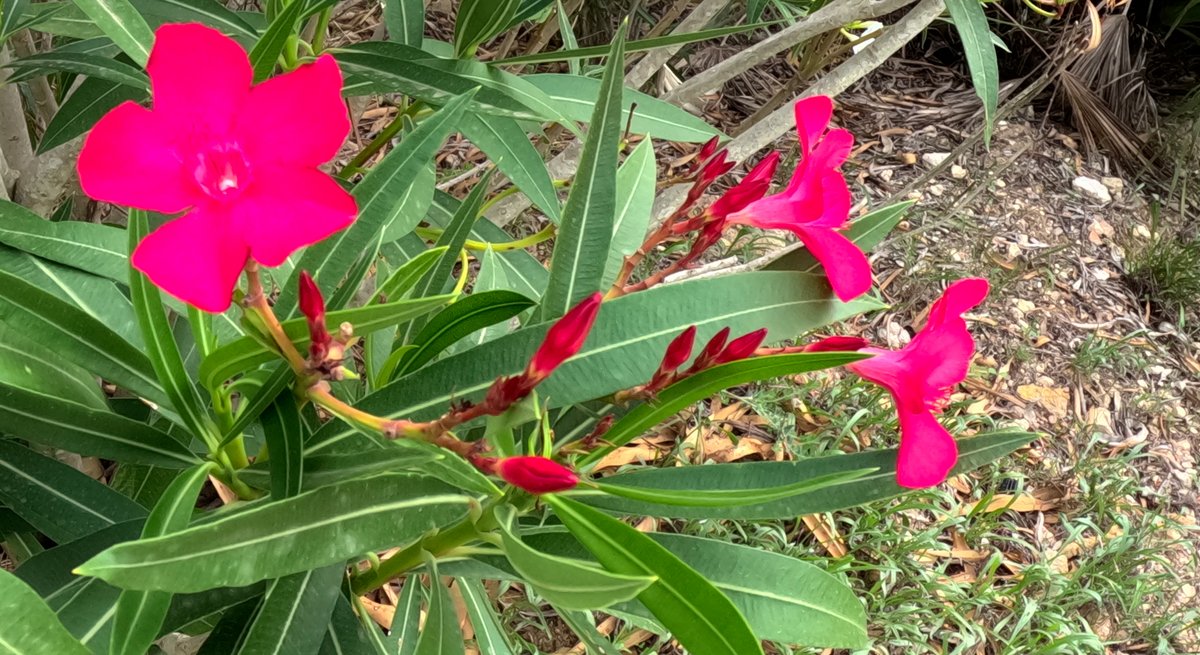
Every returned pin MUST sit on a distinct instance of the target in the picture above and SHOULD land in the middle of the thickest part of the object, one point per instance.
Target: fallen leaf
(1056, 401)
(1016, 503)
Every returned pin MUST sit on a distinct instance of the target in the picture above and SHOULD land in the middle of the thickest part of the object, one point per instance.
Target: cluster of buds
(719, 350)
(537, 475)
(325, 351)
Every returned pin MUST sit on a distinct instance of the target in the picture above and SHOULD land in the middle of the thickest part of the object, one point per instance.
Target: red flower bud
(537, 475)
(708, 149)
(836, 344)
(715, 168)
(312, 305)
(713, 348)
(741, 347)
(678, 352)
(565, 338)
(752, 187)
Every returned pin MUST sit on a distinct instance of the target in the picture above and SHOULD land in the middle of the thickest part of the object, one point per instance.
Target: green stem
(318, 42)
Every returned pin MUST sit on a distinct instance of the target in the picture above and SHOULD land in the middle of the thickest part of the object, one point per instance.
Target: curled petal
(845, 265)
(286, 209)
(196, 258)
(296, 119)
(958, 298)
(129, 158)
(927, 451)
(812, 117)
(199, 78)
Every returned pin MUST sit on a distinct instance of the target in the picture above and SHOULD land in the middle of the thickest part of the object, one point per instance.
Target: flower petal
(833, 150)
(812, 117)
(129, 158)
(195, 258)
(845, 265)
(298, 119)
(284, 210)
(198, 77)
(958, 298)
(927, 451)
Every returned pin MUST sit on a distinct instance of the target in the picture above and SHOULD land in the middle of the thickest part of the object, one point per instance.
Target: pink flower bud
(836, 344)
(312, 305)
(565, 338)
(707, 357)
(741, 347)
(708, 149)
(537, 475)
(679, 350)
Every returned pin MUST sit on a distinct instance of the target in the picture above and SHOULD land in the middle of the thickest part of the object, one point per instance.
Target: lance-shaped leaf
(93, 98)
(479, 20)
(91, 247)
(406, 621)
(140, 614)
(272, 42)
(505, 143)
(635, 202)
(315, 529)
(702, 618)
(29, 626)
(324, 470)
(586, 229)
(294, 613)
(476, 311)
(568, 583)
(122, 23)
(490, 635)
(28, 366)
(405, 20)
(729, 497)
(86, 431)
(441, 634)
(285, 432)
(82, 63)
(161, 346)
(55, 498)
(879, 485)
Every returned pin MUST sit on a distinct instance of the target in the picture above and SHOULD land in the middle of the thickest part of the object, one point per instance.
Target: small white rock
(1092, 188)
(958, 172)
(934, 159)
(1115, 185)
(937, 190)
(1000, 183)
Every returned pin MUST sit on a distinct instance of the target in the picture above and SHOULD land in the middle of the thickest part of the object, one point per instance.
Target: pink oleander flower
(816, 203)
(537, 475)
(920, 377)
(239, 160)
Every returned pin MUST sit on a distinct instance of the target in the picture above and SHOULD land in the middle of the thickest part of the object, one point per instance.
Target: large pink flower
(240, 161)
(816, 203)
(920, 377)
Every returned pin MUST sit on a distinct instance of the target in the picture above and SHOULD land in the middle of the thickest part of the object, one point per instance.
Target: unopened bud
(713, 348)
(565, 338)
(678, 352)
(312, 305)
(537, 475)
(741, 347)
(836, 344)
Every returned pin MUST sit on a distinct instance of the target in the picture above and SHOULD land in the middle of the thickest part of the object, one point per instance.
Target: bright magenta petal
(298, 119)
(834, 149)
(199, 77)
(195, 258)
(129, 158)
(845, 265)
(287, 209)
(958, 298)
(812, 116)
(927, 451)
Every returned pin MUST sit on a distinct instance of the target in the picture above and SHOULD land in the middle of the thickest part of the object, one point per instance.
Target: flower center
(221, 171)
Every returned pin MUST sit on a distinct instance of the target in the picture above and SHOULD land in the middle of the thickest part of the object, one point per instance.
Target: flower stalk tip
(537, 475)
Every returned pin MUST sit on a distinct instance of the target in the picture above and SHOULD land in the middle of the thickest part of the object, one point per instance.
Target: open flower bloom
(816, 203)
(920, 377)
(240, 161)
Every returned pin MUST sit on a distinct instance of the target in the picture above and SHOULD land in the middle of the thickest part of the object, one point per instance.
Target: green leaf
(142, 483)
(92, 99)
(583, 624)
(80, 429)
(294, 613)
(866, 233)
(230, 630)
(379, 195)
(345, 633)
(78, 336)
(700, 617)
(26, 365)
(704, 384)
(247, 352)
(187, 609)
(324, 470)
(285, 434)
(271, 44)
(140, 614)
(972, 25)
(160, 343)
(439, 279)
(49, 572)
(569, 583)
(86, 609)
(586, 230)
(10, 17)
(95, 66)
(639, 45)
(526, 275)
(406, 621)
(122, 23)
(60, 19)
(479, 20)
(880, 485)
(623, 350)
(29, 626)
(417, 198)
(504, 141)
(575, 97)
(490, 637)
(404, 278)
(636, 181)
(441, 634)
(475, 312)
(91, 247)
(317, 528)
(207, 12)
(728, 497)
(405, 20)
(55, 498)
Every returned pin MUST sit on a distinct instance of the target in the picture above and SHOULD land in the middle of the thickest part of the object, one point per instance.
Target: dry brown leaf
(379, 613)
(1055, 400)
(1017, 503)
(826, 534)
